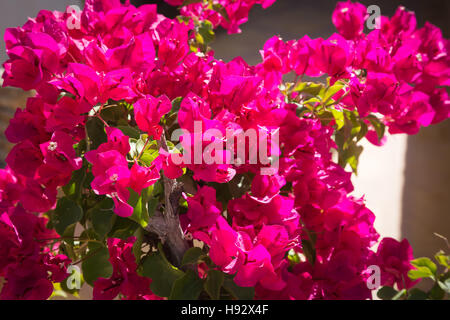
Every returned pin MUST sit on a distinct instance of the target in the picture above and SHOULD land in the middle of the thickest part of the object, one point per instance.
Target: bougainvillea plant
(148, 169)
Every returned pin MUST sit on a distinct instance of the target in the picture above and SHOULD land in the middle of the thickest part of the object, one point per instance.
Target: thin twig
(143, 149)
(167, 225)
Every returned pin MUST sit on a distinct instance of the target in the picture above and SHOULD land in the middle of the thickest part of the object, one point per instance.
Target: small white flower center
(52, 146)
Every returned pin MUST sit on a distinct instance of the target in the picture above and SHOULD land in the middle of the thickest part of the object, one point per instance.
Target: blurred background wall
(406, 182)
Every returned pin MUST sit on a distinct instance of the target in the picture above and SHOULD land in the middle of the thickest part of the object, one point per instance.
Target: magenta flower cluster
(28, 255)
(295, 234)
(406, 69)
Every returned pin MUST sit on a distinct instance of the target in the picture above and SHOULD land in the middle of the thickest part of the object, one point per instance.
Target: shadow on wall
(426, 193)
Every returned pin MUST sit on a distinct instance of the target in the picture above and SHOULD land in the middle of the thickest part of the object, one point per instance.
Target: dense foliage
(94, 178)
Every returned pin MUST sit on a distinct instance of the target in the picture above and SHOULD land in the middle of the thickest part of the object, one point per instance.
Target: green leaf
(191, 256)
(386, 293)
(188, 287)
(96, 264)
(185, 20)
(309, 251)
(152, 205)
(158, 189)
(133, 147)
(130, 131)
(205, 33)
(74, 187)
(310, 103)
(445, 285)
(139, 204)
(102, 220)
(379, 126)
(96, 132)
(128, 106)
(176, 103)
(293, 257)
(314, 89)
(417, 294)
(331, 91)
(362, 132)
(162, 273)
(137, 251)
(57, 292)
(419, 273)
(68, 235)
(221, 10)
(349, 152)
(140, 146)
(425, 263)
(115, 113)
(214, 282)
(338, 116)
(353, 156)
(353, 122)
(67, 212)
(325, 117)
(443, 259)
(437, 293)
(148, 156)
(150, 152)
(241, 293)
(123, 228)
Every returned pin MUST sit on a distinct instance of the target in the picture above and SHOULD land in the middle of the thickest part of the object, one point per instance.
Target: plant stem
(167, 225)
(143, 149)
